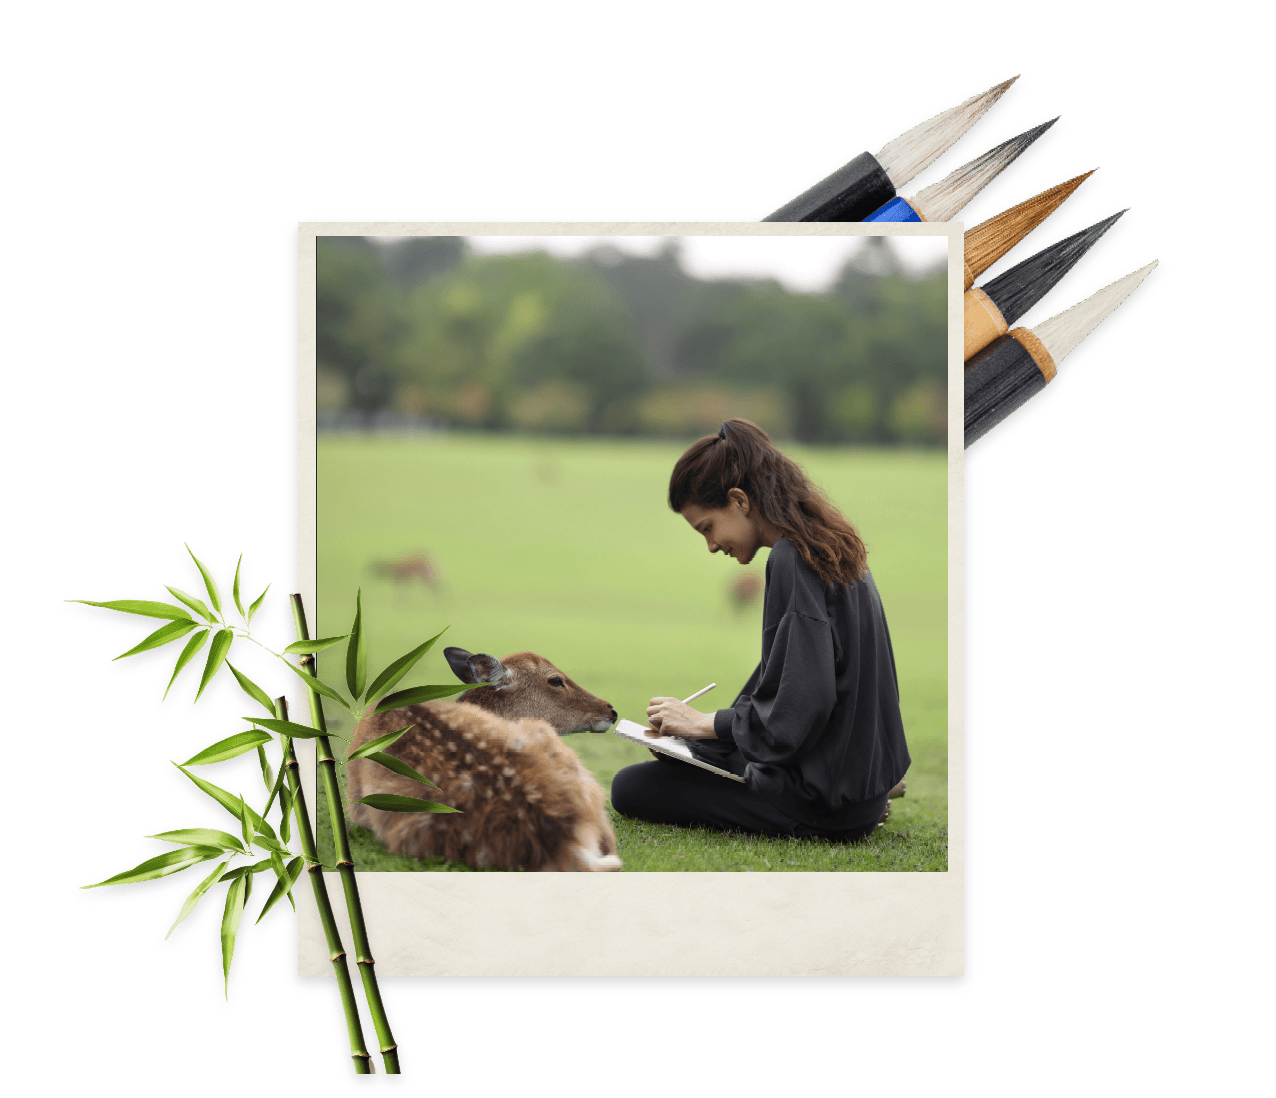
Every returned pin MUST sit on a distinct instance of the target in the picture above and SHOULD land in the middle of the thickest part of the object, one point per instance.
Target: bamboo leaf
(247, 870)
(399, 767)
(232, 804)
(267, 775)
(236, 896)
(253, 608)
(378, 744)
(160, 637)
(246, 823)
(202, 836)
(400, 667)
(320, 687)
(172, 861)
(192, 646)
(277, 788)
(310, 647)
(141, 607)
(216, 656)
(285, 812)
(418, 694)
(357, 651)
(392, 802)
(229, 748)
(213, 595)
(234, 591)
(281, 873)
(271, 844)
(195, 896)
(283, 887)
(192, 602)
(251, 688)
(288, 728)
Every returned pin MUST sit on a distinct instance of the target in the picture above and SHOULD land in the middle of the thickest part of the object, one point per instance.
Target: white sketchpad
(667, 745)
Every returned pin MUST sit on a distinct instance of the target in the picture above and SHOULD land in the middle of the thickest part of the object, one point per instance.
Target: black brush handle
(999, 379)
(851, 193)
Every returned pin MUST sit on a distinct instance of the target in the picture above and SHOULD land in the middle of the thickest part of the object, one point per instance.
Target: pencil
(858, 188)
(940, 201)
(989, 241)
(1010, 370)
(699, 692)
(993, 307)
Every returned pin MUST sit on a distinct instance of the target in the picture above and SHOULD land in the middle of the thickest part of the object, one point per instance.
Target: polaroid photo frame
(658, 924)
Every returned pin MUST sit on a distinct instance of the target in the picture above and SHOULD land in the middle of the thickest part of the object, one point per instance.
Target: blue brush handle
(897, 209)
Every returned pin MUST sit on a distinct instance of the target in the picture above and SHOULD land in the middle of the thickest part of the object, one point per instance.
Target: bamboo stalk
(327, 766)
(336, 952)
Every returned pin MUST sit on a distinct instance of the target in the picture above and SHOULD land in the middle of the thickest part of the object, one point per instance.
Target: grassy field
(568, 548)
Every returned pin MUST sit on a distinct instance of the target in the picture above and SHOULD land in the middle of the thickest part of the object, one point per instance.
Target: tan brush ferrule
(1037, 349)
(912, 206)
(984, 322)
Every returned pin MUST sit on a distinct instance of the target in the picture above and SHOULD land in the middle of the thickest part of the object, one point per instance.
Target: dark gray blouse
(816, 729)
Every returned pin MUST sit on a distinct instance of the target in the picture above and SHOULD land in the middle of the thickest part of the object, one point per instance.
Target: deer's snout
(605, 726)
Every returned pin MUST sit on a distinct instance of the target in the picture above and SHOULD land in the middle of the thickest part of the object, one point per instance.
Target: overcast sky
(804, 263)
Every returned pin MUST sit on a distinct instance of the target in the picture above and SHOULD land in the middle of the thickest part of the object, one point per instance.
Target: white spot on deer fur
(508, 771)
(517, 745)
(451, 746)
(469, 757)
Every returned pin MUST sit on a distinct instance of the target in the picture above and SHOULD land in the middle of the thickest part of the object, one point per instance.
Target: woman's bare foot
(897, 790)
(885, 815)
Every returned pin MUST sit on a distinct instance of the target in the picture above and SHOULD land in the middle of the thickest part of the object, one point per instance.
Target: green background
(156, 156)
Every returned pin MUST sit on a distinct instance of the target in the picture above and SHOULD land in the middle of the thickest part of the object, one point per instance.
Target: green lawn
(567, 548)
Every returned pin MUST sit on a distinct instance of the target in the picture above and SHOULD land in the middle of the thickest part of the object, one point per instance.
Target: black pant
(672, 792)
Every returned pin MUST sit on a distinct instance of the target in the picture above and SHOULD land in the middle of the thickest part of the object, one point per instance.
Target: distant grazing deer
(415, 566)
(525, 798)
(744, 590)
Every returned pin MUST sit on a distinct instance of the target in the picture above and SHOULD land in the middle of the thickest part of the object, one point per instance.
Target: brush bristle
(913, 152)
(1060, 334)
(1026, 283)
(988, 242)
(940, 201)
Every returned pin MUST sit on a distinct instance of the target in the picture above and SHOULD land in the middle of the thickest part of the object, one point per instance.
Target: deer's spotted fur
(525, 798)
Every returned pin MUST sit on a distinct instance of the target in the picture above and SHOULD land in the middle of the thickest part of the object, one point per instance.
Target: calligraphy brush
(992, 308)
(940, 201)
(860, 187)
(989, 241)
(1010, 370)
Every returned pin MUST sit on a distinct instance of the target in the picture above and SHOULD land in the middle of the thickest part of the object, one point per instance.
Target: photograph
(617, 469)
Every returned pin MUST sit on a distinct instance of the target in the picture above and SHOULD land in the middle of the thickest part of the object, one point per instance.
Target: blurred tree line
(613, 343)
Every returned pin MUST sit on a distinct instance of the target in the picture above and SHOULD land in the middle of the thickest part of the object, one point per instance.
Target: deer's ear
(488, 669)
(459, 660)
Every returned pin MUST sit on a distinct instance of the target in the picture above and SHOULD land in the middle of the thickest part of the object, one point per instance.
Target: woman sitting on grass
(816, 731)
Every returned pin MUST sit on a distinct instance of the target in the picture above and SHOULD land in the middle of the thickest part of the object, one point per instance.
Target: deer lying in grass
(524, 796)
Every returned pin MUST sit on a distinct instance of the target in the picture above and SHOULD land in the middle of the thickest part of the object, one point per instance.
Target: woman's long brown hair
(742, 455)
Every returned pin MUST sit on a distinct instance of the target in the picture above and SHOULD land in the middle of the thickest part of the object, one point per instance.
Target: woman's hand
(670, 717)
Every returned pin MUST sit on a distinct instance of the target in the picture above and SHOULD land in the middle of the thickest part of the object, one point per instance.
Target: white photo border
(656, 924)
